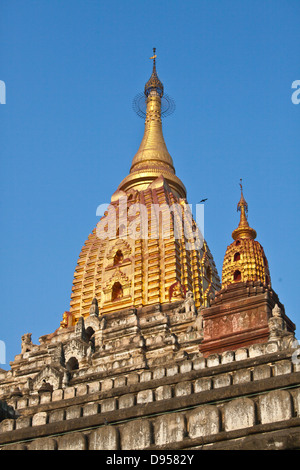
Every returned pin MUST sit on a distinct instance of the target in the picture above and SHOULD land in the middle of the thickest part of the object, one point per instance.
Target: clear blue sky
(68, 132)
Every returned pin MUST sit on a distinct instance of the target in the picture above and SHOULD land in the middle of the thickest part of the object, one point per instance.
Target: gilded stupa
(153, 354)
(245, 259)
(156, 264)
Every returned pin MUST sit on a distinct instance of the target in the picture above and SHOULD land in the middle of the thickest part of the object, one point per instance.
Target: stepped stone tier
(154, 354)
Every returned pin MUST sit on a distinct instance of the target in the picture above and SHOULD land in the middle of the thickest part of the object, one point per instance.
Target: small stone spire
(244, 230)
(94, 309)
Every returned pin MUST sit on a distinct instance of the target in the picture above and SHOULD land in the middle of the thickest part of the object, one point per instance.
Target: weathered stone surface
(275, 406)
(296, 401)
(136, 435)
(242, 376)
(163, 393)
(90, 409)
(23, 422)
(42, 444)
(120, 381)
(22, 403)
(94, 387)
(213, 360)
(15, 447)
(201, 385)
(73, 441)
(46, 397)
(227, 357)
(104, 438)
(222, 380)
(171, 370)
(108, 405)
(283, 367)
(145, 396)
(203, 421)
(271, 347)
(107, 384)
(7, 425)
(133, 379)
(186, 367)
(81, 390)
(69, 392)
(169, 428)
(56, 416)
(261, 372)
(239, 414)
(126, 401)
(57, 394)
(256, 350)
(183, 388)
(241, 354)
(33, 400)
(146, 376)
(159, 373)
(199, 363)
(73, 412)
(39, 419)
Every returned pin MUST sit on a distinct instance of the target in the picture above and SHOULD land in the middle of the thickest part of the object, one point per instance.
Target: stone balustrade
(189, 429)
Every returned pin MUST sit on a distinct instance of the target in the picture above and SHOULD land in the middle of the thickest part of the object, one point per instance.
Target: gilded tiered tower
(147, 248)
(240, 312)
(245, 259)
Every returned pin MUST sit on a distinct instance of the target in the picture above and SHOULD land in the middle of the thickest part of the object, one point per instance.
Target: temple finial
(242, 204)
(154, 56)
(154, 84)
(243, 230)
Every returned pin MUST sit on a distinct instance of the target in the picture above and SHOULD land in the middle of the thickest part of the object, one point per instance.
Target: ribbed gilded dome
(245, 259)
(123, 271)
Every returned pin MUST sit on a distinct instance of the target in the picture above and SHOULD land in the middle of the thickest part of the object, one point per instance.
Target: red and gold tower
(245, 259)
(240, 312)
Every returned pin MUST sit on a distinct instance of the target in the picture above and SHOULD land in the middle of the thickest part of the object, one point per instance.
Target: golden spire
(152, 158)
(244, 259)
(243, 230)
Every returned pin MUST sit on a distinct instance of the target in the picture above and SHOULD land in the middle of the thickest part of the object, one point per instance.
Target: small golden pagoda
(245, 259)
(131, 268)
